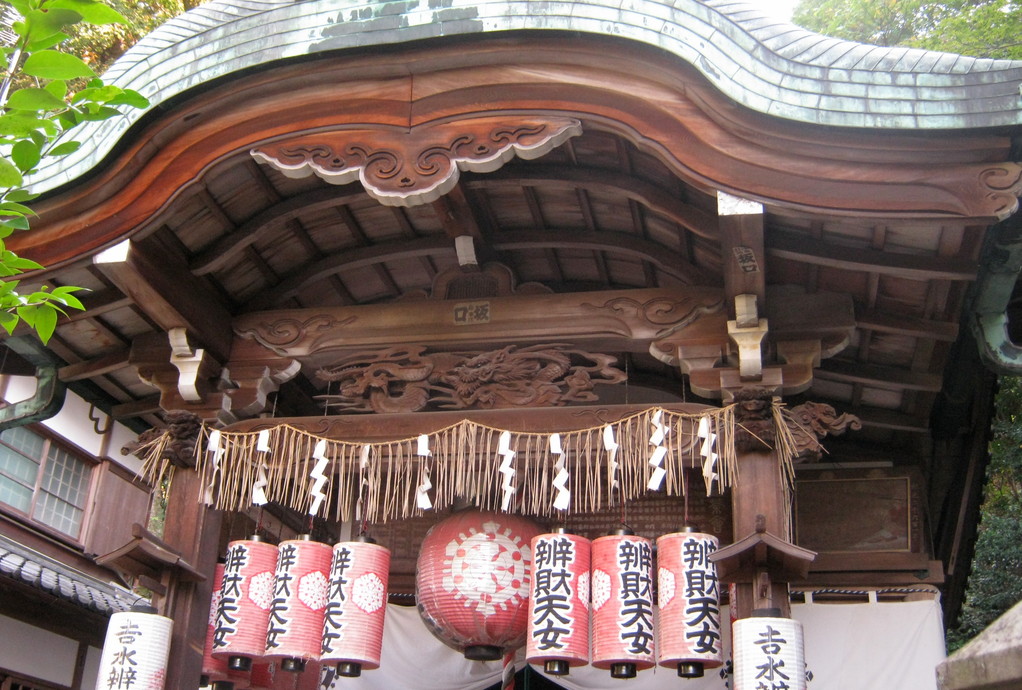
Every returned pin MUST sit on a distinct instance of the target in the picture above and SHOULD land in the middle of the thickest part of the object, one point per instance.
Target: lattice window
(43, 481)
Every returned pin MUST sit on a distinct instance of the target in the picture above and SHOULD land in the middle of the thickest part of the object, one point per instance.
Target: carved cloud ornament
(408, 379)
(412, 166)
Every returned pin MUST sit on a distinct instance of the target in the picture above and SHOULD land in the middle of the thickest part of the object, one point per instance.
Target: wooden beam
(666, 260)
(946, 331)
(137, 408)
(323, 268)
(169, 294)
(798, 247)
(104, 364)
(601, 182)
(228, 247)
(879, 376)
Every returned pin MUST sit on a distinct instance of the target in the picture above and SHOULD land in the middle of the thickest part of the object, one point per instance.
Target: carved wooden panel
(417, 165)
(408, 379)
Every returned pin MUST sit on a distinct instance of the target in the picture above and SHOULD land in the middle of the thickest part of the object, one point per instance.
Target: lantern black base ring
(223, 685)
(292, 665)
(556, 667)
(690, 669)
(239, 663)
(624, 670)
(482, 652)
(349, 669)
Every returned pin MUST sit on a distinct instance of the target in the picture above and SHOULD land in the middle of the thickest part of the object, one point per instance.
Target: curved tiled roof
(22, 564)
(760, 61)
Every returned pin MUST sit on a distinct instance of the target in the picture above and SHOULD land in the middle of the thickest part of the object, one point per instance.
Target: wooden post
(193, 530)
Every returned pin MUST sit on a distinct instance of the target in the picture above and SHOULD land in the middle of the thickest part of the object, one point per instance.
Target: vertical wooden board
(117, 504)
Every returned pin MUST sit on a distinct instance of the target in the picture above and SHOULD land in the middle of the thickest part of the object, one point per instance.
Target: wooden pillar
(194, 531)
(759, 502)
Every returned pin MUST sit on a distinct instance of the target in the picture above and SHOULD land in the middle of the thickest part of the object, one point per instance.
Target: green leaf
(45, 321)
(130, 97)
(100, 113)
(15, 223)
(64, 149)
(58, 87)
(27, 314)
(93, 12)
(34, 99)
(8, 321)
(21, 125)
(15, 208)
(63, 295)
(22, 6)
(10, 176)
(45, 42)
(25, 155)
(52, 64)
(20, 195)
(21, 263)
(43, 24)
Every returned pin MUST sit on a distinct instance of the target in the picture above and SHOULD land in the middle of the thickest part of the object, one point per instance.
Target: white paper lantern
(135, 651)
(769, 653)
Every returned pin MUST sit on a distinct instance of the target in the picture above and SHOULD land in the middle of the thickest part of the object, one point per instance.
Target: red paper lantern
(558, 633)
(214, 669)
(472, 582)
(295, 628)
(688, 630)
(243, 608)
(353, 620)
(622, 600)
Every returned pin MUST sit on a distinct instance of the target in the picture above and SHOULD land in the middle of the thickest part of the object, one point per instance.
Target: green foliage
(984, 28)
(35, 122)
(996, 581)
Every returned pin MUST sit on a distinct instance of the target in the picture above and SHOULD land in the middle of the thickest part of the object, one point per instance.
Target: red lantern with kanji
(214, 669)
(295, 628)
(688, 629)
(558, 630)
(357, 602)
(622, 600)
(472, 582)
(243, 605)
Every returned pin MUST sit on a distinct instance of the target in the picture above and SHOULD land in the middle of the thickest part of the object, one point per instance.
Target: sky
(780, 8)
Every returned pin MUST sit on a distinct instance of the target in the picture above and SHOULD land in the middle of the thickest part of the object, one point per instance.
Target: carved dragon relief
(808, 424)
(410, 167)
(408, 379)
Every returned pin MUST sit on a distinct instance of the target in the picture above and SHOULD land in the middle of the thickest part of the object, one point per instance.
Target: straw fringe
(464, 464)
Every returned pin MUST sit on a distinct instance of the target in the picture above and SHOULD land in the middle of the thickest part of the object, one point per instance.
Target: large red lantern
(558, 634)
(622, 599)
(243, 606)
(688, 629)
(295, 629)
(353, 621)
(472, 582)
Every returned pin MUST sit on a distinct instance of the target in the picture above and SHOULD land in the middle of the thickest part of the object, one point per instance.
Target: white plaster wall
(73, 424)
(38, 653)
(92, 657)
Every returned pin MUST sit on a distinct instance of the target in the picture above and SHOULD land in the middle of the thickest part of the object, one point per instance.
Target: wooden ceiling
(597, 213)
